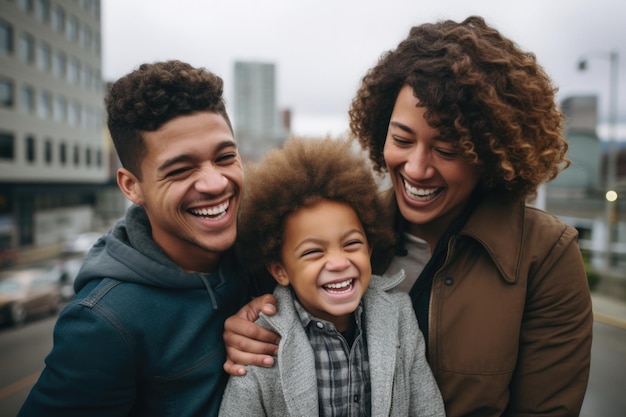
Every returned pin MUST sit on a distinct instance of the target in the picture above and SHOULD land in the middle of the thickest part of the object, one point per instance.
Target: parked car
(80, 244)
(70, 267)
(29, 291)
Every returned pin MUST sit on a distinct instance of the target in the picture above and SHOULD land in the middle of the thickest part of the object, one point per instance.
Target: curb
(608, 319)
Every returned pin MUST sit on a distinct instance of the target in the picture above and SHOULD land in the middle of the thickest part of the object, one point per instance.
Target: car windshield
(9, 286)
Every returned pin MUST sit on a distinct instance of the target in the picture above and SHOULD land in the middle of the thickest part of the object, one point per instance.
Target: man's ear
(129, 184)
(278, 272)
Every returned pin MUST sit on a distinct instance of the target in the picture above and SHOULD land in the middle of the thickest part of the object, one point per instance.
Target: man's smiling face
(191, 184)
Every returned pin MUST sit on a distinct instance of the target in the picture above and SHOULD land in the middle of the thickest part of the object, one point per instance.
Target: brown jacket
(510, 319)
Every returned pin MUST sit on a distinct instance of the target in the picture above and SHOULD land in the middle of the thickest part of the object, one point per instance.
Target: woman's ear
(278, 272)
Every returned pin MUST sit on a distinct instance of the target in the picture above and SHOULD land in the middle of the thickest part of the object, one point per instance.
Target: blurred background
(290, 68)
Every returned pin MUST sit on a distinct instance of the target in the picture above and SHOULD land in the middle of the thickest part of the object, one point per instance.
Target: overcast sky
(322, 48)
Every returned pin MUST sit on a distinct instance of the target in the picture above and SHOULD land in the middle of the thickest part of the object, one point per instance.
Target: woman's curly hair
(300, 174)
(151, 96)
(478, 88)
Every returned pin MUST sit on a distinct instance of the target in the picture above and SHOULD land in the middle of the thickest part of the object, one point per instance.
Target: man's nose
(211, 181)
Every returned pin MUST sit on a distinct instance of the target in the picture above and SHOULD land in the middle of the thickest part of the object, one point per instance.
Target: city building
(257, 123)
(577, 195)
(54, 152)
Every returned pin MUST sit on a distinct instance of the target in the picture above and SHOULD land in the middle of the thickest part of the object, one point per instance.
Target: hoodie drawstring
(210, 290)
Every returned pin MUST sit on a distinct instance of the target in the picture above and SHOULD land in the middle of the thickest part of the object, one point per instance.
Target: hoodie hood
(127, 253)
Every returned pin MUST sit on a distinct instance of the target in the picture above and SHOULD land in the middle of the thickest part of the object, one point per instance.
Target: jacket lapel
(382, 334)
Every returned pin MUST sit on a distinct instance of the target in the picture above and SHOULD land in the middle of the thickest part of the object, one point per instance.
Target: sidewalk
(609, 310)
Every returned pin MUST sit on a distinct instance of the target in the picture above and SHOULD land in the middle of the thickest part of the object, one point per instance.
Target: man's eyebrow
(192, 157)
(173, 161)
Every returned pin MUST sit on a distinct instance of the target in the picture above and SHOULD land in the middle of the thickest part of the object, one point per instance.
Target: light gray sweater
(401, 380)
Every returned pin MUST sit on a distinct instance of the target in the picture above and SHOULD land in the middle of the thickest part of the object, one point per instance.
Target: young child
(310, 215)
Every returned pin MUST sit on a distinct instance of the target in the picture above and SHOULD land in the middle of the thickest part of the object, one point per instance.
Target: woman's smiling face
(431, 182)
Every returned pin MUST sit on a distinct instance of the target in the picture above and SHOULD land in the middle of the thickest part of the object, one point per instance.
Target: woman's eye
(447, 153)
(401, 141)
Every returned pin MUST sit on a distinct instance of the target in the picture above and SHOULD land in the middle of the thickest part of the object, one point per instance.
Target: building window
(85, 76)
(43, 57)
(42, 10)
(72, 71)
(96, 44)
(30, 149)
(59, 64)
(76, 155)
(27, 99)
(72, 28)
(99, 158)
(63, 153)
(6, 38)
(60, 109)
(44, 105)
(96, 9)
(84, 117)
(48, 151)
(73, 113)
(7, 146)
(27, 48)
(26, 5)
(85, 37)
(96, 79)
(7, 95)
(58, 19)
(88, 157)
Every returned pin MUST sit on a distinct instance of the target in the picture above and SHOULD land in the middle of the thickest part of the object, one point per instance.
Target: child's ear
(278, 272)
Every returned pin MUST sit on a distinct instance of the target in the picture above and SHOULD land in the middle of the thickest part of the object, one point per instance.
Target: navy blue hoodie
(142, 337)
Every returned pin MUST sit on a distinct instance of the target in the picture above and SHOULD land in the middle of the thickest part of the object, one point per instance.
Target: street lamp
(611, 171)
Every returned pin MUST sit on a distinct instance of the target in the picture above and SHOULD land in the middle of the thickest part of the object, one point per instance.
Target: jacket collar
(498, 225)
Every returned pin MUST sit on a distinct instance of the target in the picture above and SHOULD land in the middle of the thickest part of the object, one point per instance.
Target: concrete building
(54, 153)
(257, 123)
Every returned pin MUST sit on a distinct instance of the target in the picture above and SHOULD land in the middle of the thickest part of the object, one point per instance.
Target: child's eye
(311, 252)
(354, 244)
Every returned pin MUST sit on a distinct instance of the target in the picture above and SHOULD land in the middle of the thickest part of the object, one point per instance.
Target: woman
(466, 125)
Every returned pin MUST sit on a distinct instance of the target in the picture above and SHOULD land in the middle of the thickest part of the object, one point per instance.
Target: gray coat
(401, 380)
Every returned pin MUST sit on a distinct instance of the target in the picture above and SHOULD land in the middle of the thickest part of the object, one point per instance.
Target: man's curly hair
(493, 100)
(300, 174)
(151, 96)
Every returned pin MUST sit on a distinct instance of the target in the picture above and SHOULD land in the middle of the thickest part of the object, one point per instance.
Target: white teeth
(419, 193)
(339, 285)
(214, 213)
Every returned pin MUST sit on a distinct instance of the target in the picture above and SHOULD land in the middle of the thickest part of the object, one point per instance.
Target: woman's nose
(419, 164)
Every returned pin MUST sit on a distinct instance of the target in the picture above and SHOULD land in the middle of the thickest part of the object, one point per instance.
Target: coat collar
(498, 225)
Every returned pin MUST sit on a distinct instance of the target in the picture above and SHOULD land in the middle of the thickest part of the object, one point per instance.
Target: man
(143, 335)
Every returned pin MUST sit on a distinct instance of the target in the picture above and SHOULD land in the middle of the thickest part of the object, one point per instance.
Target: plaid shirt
(343, 372)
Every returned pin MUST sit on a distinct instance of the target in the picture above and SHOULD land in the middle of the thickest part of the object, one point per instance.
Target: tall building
(577, 195)
(54, 155)
(257, 123)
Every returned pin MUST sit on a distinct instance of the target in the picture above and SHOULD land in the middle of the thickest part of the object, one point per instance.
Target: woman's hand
(248, 343)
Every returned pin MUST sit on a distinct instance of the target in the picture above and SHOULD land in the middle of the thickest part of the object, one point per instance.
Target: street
(23, 349)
